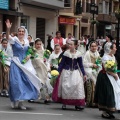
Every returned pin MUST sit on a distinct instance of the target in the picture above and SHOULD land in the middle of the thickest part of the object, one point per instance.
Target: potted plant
(94, 22)
(117, 13)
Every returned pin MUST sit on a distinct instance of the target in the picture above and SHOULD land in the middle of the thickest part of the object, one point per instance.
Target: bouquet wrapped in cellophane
(98, 62)
(3, 57)
(31, 51)
(111, 66)
(54, 75)
(55, 63)
(47, 54)
(83, 43)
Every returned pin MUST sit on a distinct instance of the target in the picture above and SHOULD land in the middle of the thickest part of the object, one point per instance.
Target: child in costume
(42, 70)
(6, 49)
(69, 88)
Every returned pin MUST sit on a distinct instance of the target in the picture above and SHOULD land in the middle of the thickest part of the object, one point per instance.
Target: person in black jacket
(49, 43)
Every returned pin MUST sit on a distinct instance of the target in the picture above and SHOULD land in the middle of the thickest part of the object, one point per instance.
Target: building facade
(106, 17)
(81, 18)
(38, 16)
(78, 11)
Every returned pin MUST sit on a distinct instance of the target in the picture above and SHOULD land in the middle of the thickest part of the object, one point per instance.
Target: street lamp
(93, 11)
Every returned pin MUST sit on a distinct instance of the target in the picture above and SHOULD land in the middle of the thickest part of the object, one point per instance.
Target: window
(87, 6)
(24, 22)
(92, 1)
(106, 8)
(67, 3)
(100, 9)
(110, 7)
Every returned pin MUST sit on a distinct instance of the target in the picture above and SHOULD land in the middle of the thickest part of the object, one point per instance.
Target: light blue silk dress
(20, 85)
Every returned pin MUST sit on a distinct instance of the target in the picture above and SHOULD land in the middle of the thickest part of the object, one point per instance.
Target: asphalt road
(52, 111)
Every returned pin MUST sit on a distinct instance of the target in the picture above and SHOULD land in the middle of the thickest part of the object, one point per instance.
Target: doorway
(40, 29)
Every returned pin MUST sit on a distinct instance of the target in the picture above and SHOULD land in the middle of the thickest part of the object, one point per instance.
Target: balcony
(52, 4)
(106, 18)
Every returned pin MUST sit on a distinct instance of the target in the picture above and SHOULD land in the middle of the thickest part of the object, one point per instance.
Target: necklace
(22, 42)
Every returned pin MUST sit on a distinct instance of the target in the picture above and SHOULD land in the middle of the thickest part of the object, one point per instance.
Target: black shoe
(79, 108)
(31, 101)
(46, 101)
(111, 115)
(106, 117)
(64, 107)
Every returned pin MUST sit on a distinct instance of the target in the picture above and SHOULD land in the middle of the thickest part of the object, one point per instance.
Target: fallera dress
(23, 84)
(107, 91)
(88, 61)
(69, 88)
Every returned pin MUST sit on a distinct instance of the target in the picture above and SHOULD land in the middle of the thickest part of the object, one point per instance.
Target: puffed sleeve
(86, 61)
(12, 39)
(80, 63)
(62, 63)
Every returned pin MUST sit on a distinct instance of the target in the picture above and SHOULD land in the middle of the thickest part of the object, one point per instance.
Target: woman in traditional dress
(82, 46)
(4, 71)
(69, 88)
(107, 91)
(109, 39)
(91, 70)
(23, 84)
(54, 57)
(42, 71)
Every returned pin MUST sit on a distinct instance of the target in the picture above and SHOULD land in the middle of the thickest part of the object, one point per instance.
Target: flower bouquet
(83, 43)
(55, 63)
(31, 51)
(54, 75)
(2, 57)
(98, 62)
(111, 66)
(47, 54)
(117, 13)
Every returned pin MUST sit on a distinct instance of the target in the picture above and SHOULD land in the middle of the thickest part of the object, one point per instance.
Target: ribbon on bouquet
(117, 71)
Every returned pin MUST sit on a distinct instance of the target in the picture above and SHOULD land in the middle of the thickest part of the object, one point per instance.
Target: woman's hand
(116, 77)
(95, 66)
(8, 24)
(28, 57)
(85, 77)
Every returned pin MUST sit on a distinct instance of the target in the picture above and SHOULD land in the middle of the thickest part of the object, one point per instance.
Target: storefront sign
(4, 4)
(108, 27)
(65, 20)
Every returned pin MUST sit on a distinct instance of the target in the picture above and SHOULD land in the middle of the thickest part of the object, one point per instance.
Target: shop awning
(10, 12)
(66, 20)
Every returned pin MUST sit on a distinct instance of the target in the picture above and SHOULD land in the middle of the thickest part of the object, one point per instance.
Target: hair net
(107, 48)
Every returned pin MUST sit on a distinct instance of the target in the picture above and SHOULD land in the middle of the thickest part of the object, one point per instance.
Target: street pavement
(52, 111)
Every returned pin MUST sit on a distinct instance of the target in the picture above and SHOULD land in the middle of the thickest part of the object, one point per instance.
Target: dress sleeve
(12, 39)
(86, 61)
(80, 63)
(104, 59)
(62, 63)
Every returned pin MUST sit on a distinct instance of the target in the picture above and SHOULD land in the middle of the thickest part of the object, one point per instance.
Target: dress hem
(75, 102)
